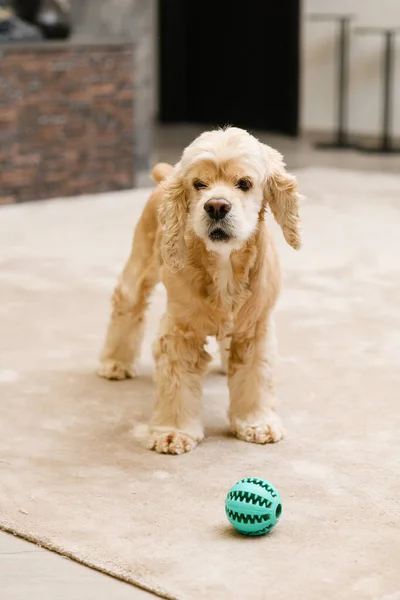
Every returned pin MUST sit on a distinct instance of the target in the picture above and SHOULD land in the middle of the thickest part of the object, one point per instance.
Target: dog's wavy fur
(226, 289)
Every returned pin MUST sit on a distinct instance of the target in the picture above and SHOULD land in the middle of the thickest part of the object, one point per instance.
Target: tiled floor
(29, 571)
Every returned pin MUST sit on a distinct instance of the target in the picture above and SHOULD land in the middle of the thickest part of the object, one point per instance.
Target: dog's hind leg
(129, 303)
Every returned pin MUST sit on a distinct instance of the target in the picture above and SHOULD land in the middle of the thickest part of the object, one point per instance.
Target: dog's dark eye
(244, 184)
(199, 185)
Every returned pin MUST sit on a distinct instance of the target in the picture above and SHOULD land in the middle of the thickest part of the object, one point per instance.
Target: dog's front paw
(171, 442)
(262, 430)
(115, 369)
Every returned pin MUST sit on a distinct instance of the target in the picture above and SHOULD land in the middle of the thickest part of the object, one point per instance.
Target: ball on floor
(253, 506)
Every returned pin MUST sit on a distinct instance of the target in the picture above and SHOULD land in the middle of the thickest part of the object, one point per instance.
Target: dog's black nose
(217, 208)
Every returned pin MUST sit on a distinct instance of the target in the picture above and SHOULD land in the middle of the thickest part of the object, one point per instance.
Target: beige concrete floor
(27, 571)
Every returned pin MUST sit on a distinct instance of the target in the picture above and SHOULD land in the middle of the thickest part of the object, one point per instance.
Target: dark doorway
(230, 62)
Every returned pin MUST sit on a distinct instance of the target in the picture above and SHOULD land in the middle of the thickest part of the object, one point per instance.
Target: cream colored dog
(203, 234)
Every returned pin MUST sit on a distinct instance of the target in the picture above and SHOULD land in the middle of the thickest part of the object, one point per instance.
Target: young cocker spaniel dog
(203, 233)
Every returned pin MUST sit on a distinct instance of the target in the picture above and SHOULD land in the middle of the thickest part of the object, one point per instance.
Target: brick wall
(66, 120)
(136, 20)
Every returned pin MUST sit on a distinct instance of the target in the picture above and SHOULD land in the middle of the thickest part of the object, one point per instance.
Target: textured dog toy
(253, 506)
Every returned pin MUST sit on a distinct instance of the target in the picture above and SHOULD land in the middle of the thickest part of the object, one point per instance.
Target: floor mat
(75, 475)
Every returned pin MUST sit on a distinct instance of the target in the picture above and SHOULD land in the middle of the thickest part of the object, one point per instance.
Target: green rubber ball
(253, 506)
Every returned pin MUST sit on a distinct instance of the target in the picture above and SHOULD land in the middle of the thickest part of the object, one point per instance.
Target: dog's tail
(161, 171)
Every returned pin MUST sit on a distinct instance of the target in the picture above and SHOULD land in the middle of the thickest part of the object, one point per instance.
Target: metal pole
(387, 90)
(343, 48)
(386, 145)
(342, 45)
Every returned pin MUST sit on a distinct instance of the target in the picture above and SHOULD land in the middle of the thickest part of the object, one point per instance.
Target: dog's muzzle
(218, 210)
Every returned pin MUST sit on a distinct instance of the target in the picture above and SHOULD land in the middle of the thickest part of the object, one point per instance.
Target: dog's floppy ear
(173, 217)
(282, 196)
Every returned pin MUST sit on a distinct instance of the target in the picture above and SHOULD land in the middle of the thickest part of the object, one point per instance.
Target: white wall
(319, 66)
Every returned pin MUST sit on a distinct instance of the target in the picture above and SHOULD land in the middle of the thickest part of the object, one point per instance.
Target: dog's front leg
(181, 361)
(252, 386)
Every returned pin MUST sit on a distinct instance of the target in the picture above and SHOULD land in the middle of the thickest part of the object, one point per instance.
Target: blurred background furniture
(13, 28)
(341, 137)
(386, 145)
(52, 17)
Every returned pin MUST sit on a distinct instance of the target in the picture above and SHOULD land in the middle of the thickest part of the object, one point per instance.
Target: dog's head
(219, 192)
